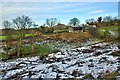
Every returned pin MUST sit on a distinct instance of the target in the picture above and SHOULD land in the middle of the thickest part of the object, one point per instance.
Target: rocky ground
(93, 60)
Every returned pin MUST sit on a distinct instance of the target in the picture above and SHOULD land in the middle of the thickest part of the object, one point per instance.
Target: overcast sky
(64, 11)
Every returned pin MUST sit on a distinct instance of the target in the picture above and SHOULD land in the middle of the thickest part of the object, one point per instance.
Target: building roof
(76, 26)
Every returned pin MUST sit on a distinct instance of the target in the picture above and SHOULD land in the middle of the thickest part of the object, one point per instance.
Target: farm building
(75, 28)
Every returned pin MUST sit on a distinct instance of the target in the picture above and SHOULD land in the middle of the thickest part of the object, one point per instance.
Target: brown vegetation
(73, 36)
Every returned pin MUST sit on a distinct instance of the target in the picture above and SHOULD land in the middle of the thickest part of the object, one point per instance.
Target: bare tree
(21, 23)
(90, 21)
(52, 22)
(6, 24)
(107, 19)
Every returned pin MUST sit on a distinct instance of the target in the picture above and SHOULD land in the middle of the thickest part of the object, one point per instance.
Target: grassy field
(13, 36)
(111, 28)
(103, 30)
(2, 37)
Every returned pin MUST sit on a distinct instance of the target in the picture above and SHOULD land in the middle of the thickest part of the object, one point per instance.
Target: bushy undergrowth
(105, 33)
(26, 50)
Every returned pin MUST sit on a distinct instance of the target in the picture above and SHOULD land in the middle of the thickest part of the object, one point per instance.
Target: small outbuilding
(75, 28)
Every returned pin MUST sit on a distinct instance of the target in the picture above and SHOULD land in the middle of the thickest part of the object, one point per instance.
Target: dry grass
(111, 75)
(73, 36)
(66, 36)
(116, 53)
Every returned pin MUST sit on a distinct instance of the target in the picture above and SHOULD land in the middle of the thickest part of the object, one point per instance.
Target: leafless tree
(7, 25)
(90, 21)
(107, 19)
(52, 22)
(21, 23)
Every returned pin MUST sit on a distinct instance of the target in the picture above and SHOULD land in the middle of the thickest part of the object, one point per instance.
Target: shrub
(3, 56)
(94, 32)
(25, 50)
(43, 50)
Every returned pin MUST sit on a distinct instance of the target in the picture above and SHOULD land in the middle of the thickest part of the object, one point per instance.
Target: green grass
(2, 37)
(102, 30)
(3, 56)
(27, 35)
(15, 36)
(111, 28)
(26, 50)
(40, 50)
(43, 50)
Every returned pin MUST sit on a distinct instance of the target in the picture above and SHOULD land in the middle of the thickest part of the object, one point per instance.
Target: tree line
(25, 22)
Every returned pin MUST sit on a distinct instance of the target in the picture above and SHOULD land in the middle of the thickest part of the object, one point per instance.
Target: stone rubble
(74, 63)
